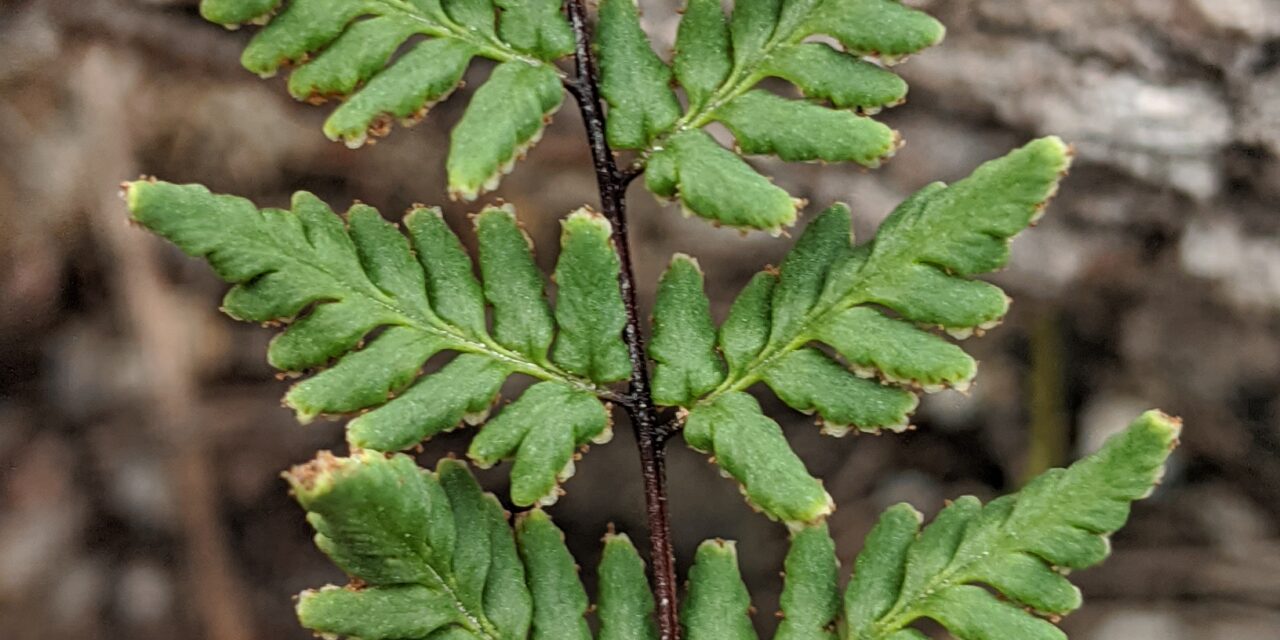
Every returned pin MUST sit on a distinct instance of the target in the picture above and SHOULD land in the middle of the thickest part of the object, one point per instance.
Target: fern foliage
(1021, 546)
(406, 334)
(431, 556)
(719, 63)
(365, 307)
(394, 59)
(845, 331)
(389, 60)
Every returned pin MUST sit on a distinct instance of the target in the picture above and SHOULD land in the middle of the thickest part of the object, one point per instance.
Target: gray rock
(1255, 19)
(1260, 112)
(1231, 520)
(1140, 624)
(144, 593)
(1246, 266)
(1114, 118)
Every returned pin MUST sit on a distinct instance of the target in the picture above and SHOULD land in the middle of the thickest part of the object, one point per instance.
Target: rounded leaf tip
(1168, 427)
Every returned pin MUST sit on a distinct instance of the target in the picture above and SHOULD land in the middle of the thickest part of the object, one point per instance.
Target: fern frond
(338, 282)
(429, 551)
(394, 59)
(871, 304)
(431, 556)
(719, 61)
(1021, 545)
(370, 54)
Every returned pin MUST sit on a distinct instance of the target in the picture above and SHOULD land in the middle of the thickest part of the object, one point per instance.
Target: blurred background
(141, 435)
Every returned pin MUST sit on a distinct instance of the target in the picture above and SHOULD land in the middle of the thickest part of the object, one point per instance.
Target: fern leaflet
(867, 303)
(336, 282)
(348, 49)
(1019, 545)
(719, 61)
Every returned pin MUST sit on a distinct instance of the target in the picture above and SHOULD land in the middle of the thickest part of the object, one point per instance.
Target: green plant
(847, 331)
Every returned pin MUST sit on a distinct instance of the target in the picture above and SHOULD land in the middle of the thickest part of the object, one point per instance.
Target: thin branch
(670, 427)
(630, 173)
(644, 415)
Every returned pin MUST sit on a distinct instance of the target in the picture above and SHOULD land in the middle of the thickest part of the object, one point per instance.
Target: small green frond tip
(1020, 545)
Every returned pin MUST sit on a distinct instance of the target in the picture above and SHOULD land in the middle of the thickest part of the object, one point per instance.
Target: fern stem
(650, 434)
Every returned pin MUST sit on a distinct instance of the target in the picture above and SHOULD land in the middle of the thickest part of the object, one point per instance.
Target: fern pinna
(361, 274)
(850, 331)
(833, 293)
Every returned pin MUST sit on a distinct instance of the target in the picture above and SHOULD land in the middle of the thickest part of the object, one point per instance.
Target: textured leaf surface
(423, 76)
(505, 117)
(541, 430)
(870, 340)
(589, 308)
(746, 329)
(799, 131)
(338, 282)
(625, 603)
(875, 305)
(718, 62)
(683, 344)
(405, 538)
(1019, 545)
(886, 29)
(378, 613)
(810, 594)
(513, 285)
(633, 79)
(714, 183)
(718, 606)
(824, 73)
(811, 382)
(348, 50)
(702, 56)
(464, 389)
(535, 27)
(559, 601)
(750, 447)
